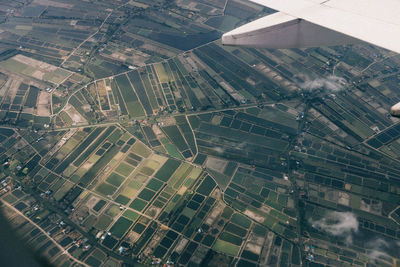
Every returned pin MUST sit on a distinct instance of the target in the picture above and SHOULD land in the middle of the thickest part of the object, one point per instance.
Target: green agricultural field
(35, 69)
(234, 229)
(141, 150)
(228, 237)
(146, 170)
(112, 210)
(278, 116)
(103, 222)
(122, 199)
(131, 215)
(90, 221)
(206, 186)
(146, 194)
(138, 204)
(224, 23)
(240, 136)
(176, 137)
(102, 162)
(63, 190)
(99, 205)
(154, 184)
(135, 184)
(105, 189)
(156, 130)
(162, 75)
(124, 169)
(173, 151)
(130, 98)
(115, 179)
(221, 179)
(93, 146)
(120, 227)
(169, 167)
(241, 220)
(188, 212)
(226, 247)
(170, 206)
(152, 164)
(180, 175)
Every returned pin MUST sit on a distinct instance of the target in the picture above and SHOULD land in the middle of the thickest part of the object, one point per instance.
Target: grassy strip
(97, 143)
(103, 161)
(78, 150)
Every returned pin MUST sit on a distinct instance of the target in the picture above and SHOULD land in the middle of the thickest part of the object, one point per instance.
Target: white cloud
(338, 224)
(377, 243)
(331, 83)
(241, 146)
(219, 149)
(379, 248)
(345, 225)
(376, 254)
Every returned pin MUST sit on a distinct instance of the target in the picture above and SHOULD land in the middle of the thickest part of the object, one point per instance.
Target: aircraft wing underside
(308, 23)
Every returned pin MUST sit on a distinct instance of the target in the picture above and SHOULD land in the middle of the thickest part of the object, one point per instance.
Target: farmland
(130, 135)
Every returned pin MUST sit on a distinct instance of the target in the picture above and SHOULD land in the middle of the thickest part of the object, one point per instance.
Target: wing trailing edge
(373, 21)
(280, 30)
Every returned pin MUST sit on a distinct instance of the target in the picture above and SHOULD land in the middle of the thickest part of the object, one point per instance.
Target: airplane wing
(308, 23)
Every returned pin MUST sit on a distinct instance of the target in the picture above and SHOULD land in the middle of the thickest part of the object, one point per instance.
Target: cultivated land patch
(36, 69)
(187, 152)
(216, 164)
(44, 105)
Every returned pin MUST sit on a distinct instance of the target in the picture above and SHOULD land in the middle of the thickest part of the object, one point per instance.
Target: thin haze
(342, 224)
(331, 83)
(345, 225)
